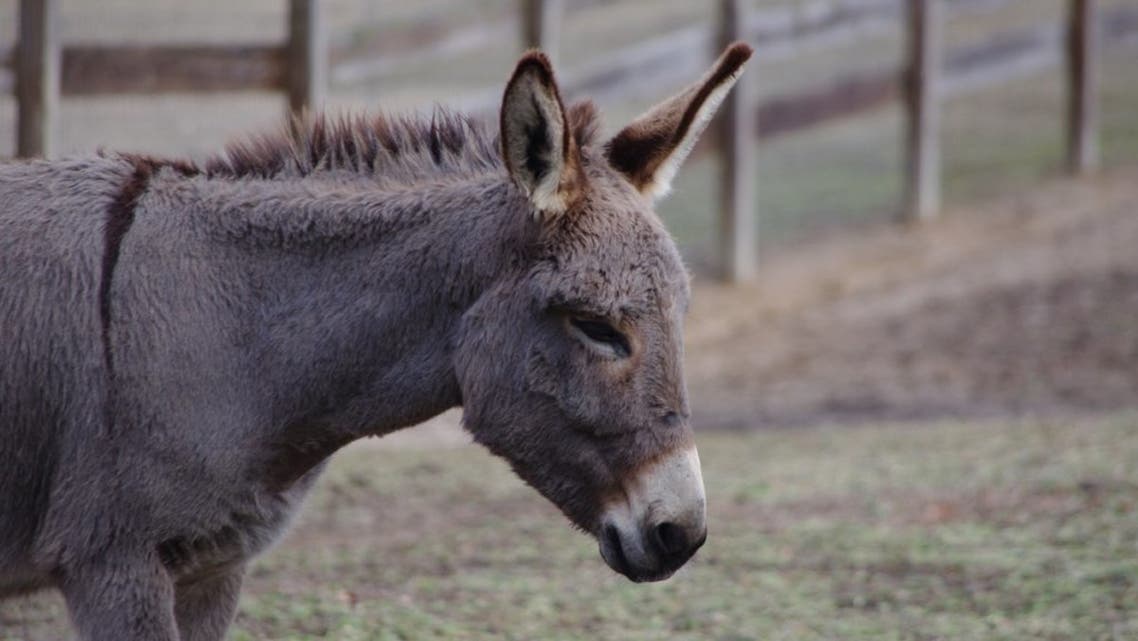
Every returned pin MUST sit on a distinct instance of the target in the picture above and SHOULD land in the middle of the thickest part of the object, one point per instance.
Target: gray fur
(290, 297)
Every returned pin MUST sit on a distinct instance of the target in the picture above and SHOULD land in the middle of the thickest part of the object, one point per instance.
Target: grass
(1014, 530)
(998, 531)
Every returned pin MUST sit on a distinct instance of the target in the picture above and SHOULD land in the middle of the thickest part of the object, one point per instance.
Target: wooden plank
(369, 54)
(307, 55)
(375, 57)
(922, 139)
(37, 77)
(541, 26)
(738, 221)
(1082, 87)
(858, 93)
(143, 69)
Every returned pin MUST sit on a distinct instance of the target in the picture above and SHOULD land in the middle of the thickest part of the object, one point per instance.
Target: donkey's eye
(604, 334)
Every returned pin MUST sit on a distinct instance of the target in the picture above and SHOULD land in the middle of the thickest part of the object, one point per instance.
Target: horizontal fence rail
(92, 70)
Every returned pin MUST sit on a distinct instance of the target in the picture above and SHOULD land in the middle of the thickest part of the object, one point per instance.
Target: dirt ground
(1026, 304)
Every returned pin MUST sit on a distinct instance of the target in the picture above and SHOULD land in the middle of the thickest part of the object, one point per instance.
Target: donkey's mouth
(612, 551)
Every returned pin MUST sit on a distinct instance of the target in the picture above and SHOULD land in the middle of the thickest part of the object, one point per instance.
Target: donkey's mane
(384, 146)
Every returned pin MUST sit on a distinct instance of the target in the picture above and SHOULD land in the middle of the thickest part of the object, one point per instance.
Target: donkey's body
(183, 347)
(240, 320)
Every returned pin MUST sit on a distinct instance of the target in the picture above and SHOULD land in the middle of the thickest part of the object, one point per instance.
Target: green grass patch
(998, 531)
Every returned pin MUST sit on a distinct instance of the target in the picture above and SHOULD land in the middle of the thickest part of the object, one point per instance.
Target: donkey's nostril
(612, 537)
(670, 539)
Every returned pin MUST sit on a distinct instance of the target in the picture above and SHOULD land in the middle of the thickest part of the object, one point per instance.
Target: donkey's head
(571, 366)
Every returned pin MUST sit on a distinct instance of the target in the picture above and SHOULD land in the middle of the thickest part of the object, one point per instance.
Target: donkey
(184, 345)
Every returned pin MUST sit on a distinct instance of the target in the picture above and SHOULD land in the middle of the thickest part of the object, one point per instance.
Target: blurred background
(913, 353)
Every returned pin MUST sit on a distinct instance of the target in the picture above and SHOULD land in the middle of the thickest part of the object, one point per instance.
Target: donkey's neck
(360, 294)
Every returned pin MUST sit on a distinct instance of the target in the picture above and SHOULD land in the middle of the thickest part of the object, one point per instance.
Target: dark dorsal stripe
(120, 216)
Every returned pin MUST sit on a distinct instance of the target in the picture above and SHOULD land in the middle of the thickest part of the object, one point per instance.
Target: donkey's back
(52, 231)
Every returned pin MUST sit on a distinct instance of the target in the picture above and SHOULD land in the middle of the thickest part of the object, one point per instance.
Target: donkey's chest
(233, 536)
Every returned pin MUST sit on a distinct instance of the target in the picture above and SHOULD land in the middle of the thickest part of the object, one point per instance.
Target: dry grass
(1012, 530)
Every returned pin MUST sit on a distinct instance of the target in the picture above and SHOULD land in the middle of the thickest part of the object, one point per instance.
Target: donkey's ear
(537, 145)
(650, 150)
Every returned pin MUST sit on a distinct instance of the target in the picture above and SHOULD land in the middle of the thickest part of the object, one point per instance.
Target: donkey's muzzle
(660, 523)
(653, 555)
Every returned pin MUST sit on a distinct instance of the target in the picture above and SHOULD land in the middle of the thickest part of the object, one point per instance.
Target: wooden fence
(45, 69)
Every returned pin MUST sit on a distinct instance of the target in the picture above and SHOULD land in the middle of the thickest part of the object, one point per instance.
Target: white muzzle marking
(668, 491)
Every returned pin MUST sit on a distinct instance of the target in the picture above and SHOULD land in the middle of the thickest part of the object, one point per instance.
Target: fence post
(738, 231)
(307, 55)
(922, 104)
(1082, 86)
(541, 22)
(37, 78)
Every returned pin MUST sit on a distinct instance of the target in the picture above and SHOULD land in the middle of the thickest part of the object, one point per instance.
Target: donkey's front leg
(205, 607)
(121, 598)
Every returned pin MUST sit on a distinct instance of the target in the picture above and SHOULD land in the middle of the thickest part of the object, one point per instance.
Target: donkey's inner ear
(650, 150)
(537, 144)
